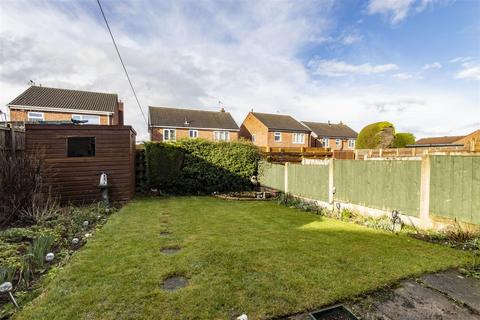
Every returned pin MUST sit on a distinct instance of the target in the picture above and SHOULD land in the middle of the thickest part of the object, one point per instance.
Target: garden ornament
(103, 185)
(7, 287)
(103, 180)
(49, 257)
(75, 241)
(85, 223)
(242, 317)
(397, 223)
(339, 206)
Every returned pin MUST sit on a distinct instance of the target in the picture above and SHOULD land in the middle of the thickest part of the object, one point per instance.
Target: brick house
(448, 141)
(274, 130)
(44, 104)
(171, 124)
(331, 135)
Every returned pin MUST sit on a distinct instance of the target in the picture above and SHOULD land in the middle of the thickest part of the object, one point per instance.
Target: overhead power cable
(121, 61)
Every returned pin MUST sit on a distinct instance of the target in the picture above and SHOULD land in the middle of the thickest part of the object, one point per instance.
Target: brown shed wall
(75, 179)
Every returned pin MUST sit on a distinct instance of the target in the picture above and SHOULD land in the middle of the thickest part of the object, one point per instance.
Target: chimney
(222, 109)
(329, 123)
(119, 116)
(341, 123)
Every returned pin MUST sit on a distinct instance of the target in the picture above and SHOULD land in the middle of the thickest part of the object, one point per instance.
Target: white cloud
(397, 10)
(403, 76)
(351, 38)
(461, 59)
(337, 68)
(193, 54)
(469, 72)
(429, 66)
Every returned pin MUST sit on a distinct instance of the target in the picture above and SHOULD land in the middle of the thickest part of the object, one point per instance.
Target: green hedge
(200, 166)
(375, 135)
(402, 139)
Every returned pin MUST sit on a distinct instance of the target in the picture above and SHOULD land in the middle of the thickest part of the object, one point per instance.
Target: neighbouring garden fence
(436, 186)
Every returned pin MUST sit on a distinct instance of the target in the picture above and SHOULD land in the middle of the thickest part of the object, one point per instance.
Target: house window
(81, 147)
(326, 142)
(254, 137)
(298, 138)
(169, 135)
(351, 143)
(85, 117)
(193, 133)
(221, 136)
(35, 116)
(277, 136)
(338, 142)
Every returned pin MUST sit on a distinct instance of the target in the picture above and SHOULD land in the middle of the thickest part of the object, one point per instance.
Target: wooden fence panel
(455, 187)
(309, 181)
(272, 176)
(385, 185)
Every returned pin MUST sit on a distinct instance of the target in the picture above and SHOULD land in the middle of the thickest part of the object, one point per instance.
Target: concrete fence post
(425, 192)
(330, 181)
(286, 177)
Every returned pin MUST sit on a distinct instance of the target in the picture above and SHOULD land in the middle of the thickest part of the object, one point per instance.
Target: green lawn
(240, 257)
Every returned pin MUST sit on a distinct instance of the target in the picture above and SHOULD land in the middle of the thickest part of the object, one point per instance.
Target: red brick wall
(22, 115)
(156, 134)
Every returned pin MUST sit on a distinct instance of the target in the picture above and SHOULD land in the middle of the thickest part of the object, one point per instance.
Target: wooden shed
(76, 156)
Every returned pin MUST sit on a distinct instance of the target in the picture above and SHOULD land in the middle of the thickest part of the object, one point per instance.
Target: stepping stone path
(173, 283)
(170, 250)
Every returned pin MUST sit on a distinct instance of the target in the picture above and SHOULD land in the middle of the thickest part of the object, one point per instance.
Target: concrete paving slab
(415, 302)
(456, 286)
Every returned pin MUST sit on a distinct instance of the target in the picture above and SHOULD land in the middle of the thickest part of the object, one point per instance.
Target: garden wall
(427, 189)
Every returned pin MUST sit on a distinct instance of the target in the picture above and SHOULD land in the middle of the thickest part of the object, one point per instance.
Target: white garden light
(49, 257)
(75, 241)
(7, 287)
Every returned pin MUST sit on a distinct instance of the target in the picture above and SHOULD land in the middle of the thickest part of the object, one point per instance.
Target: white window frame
(82, 116)
(35, 117)
(326, 142)
(169, 138)
(277, 135)
(254, 137)
(222, 136)
(338, 142)
(192, 133)
(351, 143)
(295, 139)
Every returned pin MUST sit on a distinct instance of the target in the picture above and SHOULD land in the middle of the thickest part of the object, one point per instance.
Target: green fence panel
(455, 187)
(385, 185)
(272, 176)
(308, 181)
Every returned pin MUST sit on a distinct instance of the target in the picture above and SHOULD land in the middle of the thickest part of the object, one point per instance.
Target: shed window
(81, 147)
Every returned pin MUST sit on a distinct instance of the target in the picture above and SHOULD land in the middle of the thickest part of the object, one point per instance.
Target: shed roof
(56, 98)
(189, 118)
(280, 122)
(335, 130)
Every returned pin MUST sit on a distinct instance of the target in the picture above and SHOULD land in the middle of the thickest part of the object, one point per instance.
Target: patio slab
(455, 285)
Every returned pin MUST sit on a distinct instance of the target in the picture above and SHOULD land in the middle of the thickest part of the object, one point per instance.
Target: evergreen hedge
(195, 166)
(402, 139)
(372, 136)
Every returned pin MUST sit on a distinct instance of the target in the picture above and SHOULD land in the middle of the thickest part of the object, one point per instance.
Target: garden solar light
(85, 223)
(339, 206)
(75, 241)
(7, 287)
(49, 257)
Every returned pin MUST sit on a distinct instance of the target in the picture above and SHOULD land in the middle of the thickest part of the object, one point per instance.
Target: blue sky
(415, 63)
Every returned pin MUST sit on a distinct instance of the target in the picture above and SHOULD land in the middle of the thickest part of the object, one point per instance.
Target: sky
(415, 63)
